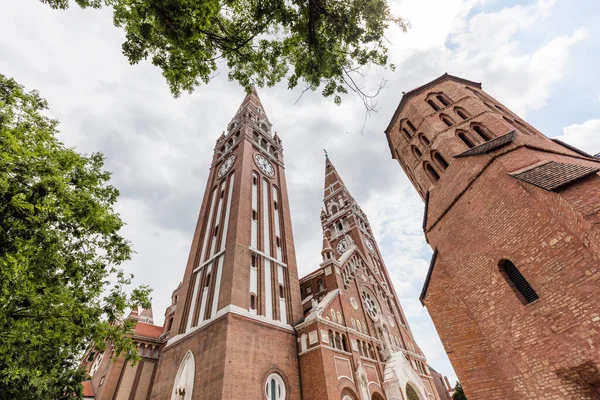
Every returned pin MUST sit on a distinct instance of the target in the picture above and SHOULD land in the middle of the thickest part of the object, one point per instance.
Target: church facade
(242, 325)
(513, 218)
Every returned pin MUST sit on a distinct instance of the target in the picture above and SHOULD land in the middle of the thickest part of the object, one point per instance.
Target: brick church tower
(231, 333)
(354, 342)
(514, 221)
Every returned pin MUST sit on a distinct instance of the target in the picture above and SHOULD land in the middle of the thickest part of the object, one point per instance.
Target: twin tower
(513, 218)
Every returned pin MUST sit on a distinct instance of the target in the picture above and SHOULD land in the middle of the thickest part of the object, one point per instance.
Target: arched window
(443, 99)
(433, 105)
(275, 388)
(462, 135)
(184, 380)
(411, 126)
(431, 172)
(331, 339)
(353, 323)
(334, 209)
(481, 131)
(332, 315)
(424, 140)
(461, 112)
(252, 301)
(338, 341)
(517, 282)
(406, 133)
(358, 326)
(417, 153)
(524, 128)
(510, 122)
(360, 348)
(446, 119)
(320, 286)
(440, 160)
(370, 348)
(344, 343)
(502, 110)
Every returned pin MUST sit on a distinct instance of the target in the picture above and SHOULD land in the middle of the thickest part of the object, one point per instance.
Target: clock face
(369, 245)
(226, 166)
(342, 246)
(265, 166)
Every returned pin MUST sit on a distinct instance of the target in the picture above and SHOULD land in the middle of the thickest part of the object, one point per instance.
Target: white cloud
(159, 148)
(585, 136)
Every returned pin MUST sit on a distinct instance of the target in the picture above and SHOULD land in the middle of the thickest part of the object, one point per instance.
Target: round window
(370, 305)
(275, 388)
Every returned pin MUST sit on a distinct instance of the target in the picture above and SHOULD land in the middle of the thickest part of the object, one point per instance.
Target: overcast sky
(540, 58)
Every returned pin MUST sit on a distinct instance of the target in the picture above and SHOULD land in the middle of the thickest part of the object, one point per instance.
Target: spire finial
(326, 155)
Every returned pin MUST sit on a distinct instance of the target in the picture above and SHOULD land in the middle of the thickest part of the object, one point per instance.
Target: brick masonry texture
(478, 215)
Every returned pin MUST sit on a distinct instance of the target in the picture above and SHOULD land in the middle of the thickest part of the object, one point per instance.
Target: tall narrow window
(253, 262)
(433, 105)
(502, 110)
(431, 172)
(517, 282)
(481, 131)
(440, 160)
(416, 152)
(411, 126)
(443, 100)
(253, 301)
(207, 281)
(254, 215)
(446, 119)
(406, 133)
(465, 139)
(281, 291)
(275, 388)
(488, 105)
(424, 140)
(461, 113)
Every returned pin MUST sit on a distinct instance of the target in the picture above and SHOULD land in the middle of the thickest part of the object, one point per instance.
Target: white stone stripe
(208, 225)
(219, 272)
(227, 211)
(268, 257)
(193, 303)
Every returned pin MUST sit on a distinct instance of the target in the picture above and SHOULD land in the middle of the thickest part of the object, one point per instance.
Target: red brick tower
(354, 343)
(231, 335)
(514, 218)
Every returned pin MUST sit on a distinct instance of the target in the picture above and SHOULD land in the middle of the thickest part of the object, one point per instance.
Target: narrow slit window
(517, 282)
(443, 100)
(465, 139)
(253, 261)
(275, 206)
(433, 105)
(482, 132)
(424, 140)
(207, 281)
(433, 175)
(252, 302)
(254, 215)
(446, 120)
(281, 291)
(440, 160)
(406, 133)
(461, 113)
(416, 152)
(411, 126)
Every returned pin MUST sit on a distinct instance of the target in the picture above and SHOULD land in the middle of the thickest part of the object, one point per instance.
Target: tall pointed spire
(251, 105)
(333, 181)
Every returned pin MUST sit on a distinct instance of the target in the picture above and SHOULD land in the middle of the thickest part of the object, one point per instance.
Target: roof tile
(554, 175)
(489, 145)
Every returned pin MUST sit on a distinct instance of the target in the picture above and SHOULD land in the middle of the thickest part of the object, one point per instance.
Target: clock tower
(231, 332)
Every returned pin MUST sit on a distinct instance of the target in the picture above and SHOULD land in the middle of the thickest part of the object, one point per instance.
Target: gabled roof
(490, 145)
(424, 87)
(148, 330)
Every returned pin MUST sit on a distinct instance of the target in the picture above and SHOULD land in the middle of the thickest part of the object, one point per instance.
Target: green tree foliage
(60, 289)
(319, 43)
(458, 392)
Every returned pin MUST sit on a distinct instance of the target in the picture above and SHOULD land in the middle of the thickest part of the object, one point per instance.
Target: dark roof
(572, 148)
(428, 277)
(554, 175)
(426, 86)
(489, 145)
(597, 155)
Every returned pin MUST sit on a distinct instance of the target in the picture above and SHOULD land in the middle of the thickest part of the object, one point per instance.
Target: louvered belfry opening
(518, 282)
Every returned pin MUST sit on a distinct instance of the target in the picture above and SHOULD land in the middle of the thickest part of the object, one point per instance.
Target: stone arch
(348, 394)
(412, 393)
(377, 396)
(184, 380)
